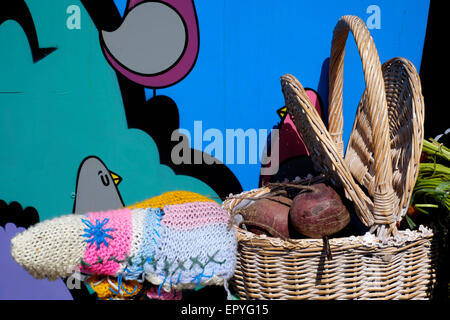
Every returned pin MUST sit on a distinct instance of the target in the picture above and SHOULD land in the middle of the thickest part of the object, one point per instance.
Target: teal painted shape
(67, 107)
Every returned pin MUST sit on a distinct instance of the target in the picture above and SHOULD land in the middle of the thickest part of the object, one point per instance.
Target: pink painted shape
(187, 11)
(291, 144)
(121, 221)
(315, 100)
(193, 215)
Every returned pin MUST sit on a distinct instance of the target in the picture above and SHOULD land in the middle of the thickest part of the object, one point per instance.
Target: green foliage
(431, 196)
(431, 193)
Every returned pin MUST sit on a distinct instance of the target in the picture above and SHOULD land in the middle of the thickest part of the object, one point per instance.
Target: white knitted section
(52, 248)
(138, 222)
(212, 247)
(138, 230)
(169, 287)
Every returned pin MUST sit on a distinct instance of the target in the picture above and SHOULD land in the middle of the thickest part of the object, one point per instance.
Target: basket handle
(377, 107)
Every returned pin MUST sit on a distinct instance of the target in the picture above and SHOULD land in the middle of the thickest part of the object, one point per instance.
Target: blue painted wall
(245, 46)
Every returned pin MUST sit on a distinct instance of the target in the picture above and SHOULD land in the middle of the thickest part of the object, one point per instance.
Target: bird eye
(104, 178)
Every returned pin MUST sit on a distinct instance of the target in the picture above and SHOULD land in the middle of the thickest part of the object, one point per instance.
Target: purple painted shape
(181, 69)
(16, 283)
(133, 3)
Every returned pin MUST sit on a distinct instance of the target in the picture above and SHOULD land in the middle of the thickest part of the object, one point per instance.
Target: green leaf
(422, 210)
(426, 205)
(443, 187)
(411, 223)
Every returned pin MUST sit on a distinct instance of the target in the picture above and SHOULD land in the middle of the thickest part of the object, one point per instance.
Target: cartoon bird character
(96, 187)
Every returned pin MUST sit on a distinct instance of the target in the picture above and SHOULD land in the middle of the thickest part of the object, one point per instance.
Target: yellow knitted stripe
(170, 198)
(103, 288)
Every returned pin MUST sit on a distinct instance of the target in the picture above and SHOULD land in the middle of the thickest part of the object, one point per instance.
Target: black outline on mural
(19, 12)
(15, 213)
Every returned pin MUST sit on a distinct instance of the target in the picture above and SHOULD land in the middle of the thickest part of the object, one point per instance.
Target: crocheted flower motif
(97, 233)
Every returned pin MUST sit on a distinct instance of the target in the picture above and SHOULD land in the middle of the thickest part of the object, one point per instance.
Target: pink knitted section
(193, 215)
(154, 293)
(103, 259)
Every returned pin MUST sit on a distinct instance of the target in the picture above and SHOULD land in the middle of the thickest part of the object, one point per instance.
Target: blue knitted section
(194, 256)
(135, 267)
(182, 256)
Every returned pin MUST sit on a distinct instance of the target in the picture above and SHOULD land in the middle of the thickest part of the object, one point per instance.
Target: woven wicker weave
(269, 269)
(378, 174)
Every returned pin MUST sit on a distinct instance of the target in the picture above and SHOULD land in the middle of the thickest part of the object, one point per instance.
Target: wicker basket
(378, 174)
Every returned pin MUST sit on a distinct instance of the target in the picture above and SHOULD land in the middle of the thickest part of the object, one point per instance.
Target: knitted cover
(115, 289)
(177, 240)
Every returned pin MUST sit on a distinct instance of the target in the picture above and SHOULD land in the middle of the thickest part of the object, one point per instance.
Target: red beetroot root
(268, 215)
(319, 213)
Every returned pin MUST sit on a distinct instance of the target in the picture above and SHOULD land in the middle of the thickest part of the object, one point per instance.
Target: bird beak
(116, 178)
(282, 112)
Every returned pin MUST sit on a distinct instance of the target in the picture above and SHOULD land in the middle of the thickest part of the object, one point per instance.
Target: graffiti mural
(158, 115)
(70, 105)
(73, 107)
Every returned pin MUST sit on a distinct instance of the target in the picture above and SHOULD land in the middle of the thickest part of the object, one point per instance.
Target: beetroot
(269, 215)
(319, 213)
